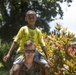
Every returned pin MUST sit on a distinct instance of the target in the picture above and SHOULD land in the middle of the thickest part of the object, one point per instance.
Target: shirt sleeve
(41, 40)
(19, 35)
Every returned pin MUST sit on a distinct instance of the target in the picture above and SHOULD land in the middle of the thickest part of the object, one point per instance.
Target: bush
(4, 47)
(58, 42)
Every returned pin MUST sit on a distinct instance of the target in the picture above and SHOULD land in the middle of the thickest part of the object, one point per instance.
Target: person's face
(29, 52)
(31, 19)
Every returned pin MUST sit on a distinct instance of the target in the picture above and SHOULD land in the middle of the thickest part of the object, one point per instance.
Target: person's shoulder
(23, 27)
(38, 30)
(38, 67)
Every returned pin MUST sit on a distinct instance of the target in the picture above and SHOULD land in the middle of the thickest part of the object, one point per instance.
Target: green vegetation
(63, 59)
(3, 71)
(12, 14)
(57, 42)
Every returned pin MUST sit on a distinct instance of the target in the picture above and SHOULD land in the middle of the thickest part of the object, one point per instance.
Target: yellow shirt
(25, 34)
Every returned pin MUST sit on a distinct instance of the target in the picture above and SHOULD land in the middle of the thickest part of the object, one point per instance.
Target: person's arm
(45, 52)
(42, 43)
(14, 44)
(6, 57)
(44, 49)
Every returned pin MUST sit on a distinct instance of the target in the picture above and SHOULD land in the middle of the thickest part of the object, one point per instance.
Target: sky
(69, 18)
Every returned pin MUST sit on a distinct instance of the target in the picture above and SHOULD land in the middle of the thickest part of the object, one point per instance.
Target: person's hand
(49, 62)
(6, 58)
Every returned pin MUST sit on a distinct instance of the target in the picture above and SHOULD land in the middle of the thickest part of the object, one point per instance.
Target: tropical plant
(58, 42)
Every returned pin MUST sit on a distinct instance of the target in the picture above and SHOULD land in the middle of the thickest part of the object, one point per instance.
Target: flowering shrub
(62, 55)
(58, 42)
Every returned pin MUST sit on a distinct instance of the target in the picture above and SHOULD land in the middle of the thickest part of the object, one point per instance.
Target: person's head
(29, 49)
(31, 17)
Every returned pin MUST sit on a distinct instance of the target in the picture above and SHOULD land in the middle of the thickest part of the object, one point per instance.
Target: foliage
(12, 14)
(62, 60)
(3, 71)
(4, 47)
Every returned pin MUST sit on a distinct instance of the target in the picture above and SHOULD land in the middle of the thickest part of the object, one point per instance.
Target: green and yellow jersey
(25, 33)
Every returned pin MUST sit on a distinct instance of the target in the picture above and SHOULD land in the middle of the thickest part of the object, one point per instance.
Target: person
(28, 32)
(29, 66)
